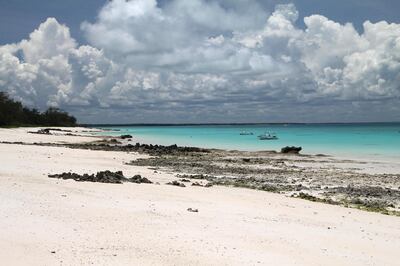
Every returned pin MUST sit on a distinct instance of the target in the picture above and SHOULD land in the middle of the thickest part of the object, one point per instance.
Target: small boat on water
(268, 136)
(246, 133)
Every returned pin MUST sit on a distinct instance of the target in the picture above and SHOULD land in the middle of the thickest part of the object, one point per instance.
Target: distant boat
(246, 133)
(268, 136)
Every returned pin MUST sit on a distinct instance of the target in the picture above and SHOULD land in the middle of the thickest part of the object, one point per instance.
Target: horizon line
(227, 124)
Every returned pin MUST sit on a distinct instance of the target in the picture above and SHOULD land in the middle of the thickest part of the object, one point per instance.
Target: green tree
(13, 113)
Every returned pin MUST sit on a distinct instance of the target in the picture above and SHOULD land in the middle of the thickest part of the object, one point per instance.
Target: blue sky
(19, 17)
(174, 61)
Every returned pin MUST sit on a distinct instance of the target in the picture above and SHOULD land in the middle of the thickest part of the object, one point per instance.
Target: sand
(47, 221)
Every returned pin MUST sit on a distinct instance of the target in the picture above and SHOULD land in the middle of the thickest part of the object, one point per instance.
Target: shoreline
(309, 149)
(151, 224)
(312, 177)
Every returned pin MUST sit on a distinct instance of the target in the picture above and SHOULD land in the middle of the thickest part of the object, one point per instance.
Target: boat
(246, 133)
(268, 136)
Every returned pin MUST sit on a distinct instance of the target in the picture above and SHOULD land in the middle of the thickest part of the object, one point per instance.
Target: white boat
(268, 136)
(246, 133)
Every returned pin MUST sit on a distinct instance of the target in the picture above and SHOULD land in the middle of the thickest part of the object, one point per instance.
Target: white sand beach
(47, 221)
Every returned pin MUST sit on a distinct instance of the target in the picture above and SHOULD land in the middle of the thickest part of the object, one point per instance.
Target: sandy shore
(47, 221)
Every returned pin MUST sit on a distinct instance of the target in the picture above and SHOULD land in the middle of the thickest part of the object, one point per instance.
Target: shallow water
(376, 140)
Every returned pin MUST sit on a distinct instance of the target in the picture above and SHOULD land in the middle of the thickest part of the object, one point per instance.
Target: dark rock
(46, 131)
(196, 184)
(102, 177)
(58, 129)
(176, 183)
(139, 179)
(199, 177)
(126, 136)
(141, 148)
(294, 150)
(192, 210)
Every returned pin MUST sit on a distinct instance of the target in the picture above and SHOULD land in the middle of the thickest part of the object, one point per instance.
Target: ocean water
(372, 140)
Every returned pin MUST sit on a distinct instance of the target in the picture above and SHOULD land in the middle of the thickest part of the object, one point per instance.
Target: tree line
(13, 113)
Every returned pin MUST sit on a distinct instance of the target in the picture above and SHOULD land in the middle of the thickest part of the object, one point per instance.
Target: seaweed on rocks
(251, 183)
(366, 191)
(370, 205)
(309, 197)
(208, 165)
(244, 182)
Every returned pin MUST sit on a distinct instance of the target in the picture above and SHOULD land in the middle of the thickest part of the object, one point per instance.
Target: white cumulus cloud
(207, 61)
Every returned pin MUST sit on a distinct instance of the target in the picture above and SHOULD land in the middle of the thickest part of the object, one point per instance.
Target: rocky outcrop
(141, 148)
(293, 150)
(103, 177)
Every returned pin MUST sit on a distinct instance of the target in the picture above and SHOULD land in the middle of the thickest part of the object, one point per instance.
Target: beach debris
(126, 137)
(176, 183)
(192, 210)
(185, 180)
(293, 150)
(103, 177)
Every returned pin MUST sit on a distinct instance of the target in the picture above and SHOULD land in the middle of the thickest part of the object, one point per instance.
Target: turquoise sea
(375, 139)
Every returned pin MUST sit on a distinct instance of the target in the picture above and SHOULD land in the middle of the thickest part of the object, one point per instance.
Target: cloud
(207, 61)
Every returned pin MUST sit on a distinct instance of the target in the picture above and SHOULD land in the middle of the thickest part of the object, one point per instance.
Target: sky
(204, 61)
